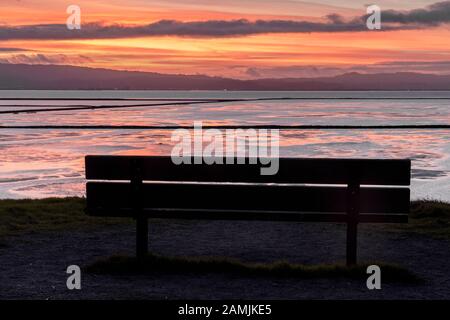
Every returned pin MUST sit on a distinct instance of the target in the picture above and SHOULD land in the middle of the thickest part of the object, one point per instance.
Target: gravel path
(35, 268)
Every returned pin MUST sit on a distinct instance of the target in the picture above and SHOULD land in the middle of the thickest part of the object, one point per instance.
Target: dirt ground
(34, 266)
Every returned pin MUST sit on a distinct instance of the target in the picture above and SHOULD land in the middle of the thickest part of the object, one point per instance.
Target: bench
(350, 191)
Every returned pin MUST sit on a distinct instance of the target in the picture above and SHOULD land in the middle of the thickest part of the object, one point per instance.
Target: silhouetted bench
(154, 187)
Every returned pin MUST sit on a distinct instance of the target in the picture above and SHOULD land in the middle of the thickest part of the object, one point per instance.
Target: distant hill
(58, 77)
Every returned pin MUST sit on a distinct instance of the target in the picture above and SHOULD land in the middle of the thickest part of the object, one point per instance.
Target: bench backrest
(155, 185)
(291, 170)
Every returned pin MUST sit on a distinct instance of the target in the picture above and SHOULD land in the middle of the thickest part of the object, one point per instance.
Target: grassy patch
(23, 216)
(123, 265)
(428, 217)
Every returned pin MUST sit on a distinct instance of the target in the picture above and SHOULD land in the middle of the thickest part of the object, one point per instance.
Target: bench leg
(141, 237)
(352, 228)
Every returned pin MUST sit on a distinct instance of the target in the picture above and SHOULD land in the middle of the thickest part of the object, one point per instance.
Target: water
(43, 163)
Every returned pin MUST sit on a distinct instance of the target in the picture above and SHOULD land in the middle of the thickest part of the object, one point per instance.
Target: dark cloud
(314, 71)
(435, 14)
(5, 49)
(45, 59)
(253, 73)
(212, 28)
(335, 18)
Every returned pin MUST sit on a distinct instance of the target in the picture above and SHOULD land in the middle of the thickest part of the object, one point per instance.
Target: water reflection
(42, 163)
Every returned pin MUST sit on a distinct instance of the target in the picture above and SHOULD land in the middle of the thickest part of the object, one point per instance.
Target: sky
(244, 39)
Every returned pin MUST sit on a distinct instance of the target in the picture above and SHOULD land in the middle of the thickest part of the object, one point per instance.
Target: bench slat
(117, 196)
(199, 214)
(291, 170)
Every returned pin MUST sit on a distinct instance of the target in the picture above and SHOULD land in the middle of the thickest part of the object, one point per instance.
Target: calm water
(43, 163)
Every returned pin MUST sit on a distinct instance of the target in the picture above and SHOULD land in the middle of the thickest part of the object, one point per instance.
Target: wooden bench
(349, 191)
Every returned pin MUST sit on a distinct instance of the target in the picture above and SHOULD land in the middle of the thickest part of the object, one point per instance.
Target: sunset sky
(234, 38)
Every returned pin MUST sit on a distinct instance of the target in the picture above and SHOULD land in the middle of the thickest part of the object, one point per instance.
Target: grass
(56, 214)
(52, 214)
(123, 265)
(428, 217)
